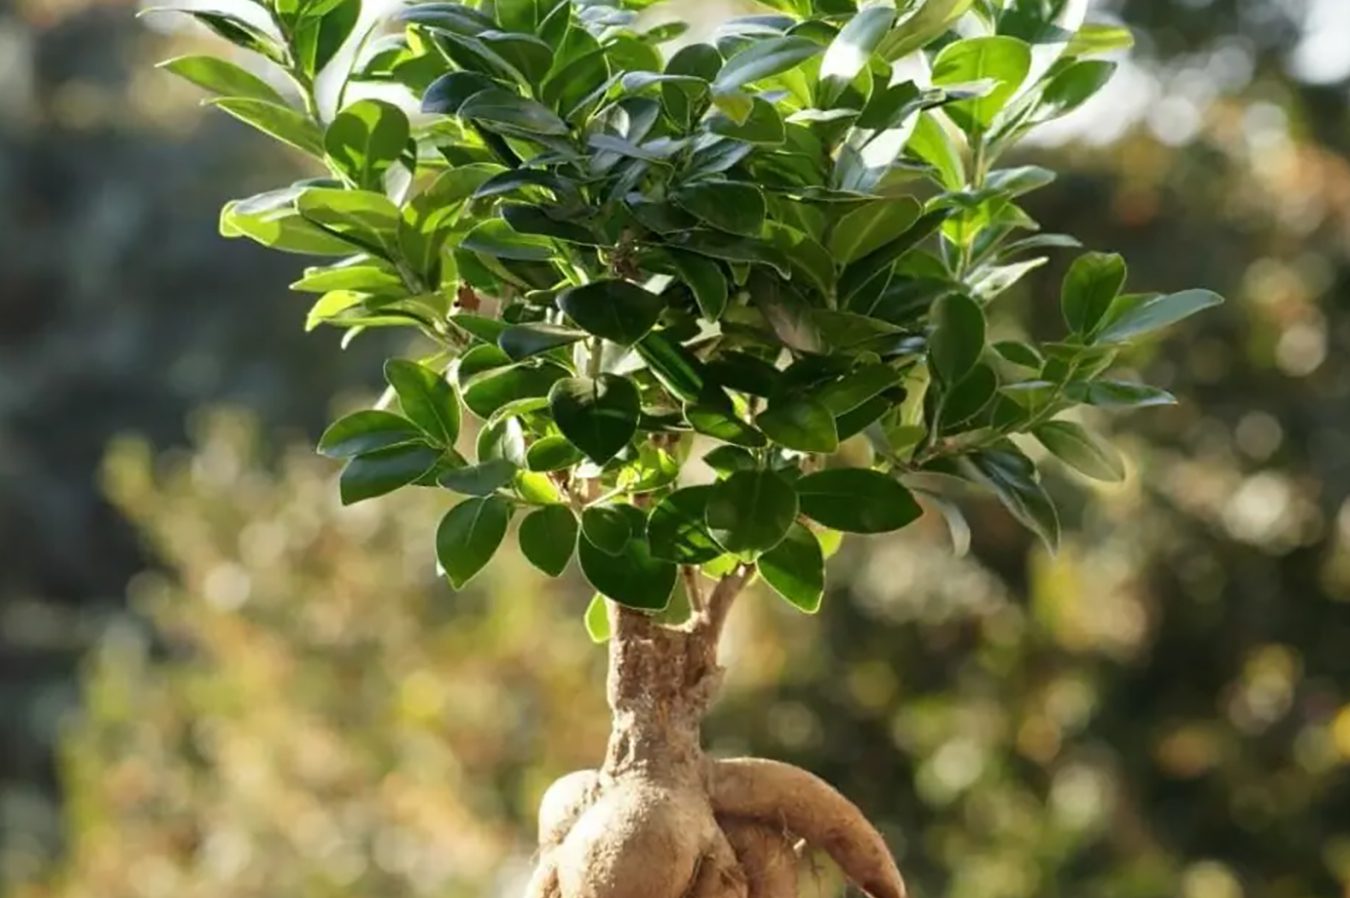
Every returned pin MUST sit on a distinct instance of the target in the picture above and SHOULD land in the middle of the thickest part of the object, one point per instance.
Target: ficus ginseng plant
(708, 308)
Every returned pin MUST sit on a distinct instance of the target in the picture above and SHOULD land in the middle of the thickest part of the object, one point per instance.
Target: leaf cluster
(780, 249)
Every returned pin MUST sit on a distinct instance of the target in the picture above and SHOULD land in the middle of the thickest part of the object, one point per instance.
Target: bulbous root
(732, 836)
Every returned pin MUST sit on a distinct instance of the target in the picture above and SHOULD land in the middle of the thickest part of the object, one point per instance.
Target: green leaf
(677, 528)
(552, 453)
(317, 38)
(482, 479)
(521, 341)
(221, 77)
(930, 20)
(1073, 87)
(957, 341)
(607, 527)
(857, 500)
(720, 423)
(598, 416)
(364, 218)
(1012, 477)
(365, 139)
(1094, 39)
(634, 578)
(1120, 394)
(751, 511)
(597, 620)
(849, 52)
(869, 227)
(1005, 61)
(470, 535)
(1093, 282)
(1148, 315)
(726, 205)
(618, 311)
(528, 55)
(799, 422)
(382, 471)
(366, 431)
(498, 239)
(764, 59)
(489, 392)
(763, 125)
(727, 460)
(856, 388)
(276, 120)
(1082, 450)
(426, 398)
(503, 110)
(271, 219)
(548, 538)
(795, 568)
(678, 369)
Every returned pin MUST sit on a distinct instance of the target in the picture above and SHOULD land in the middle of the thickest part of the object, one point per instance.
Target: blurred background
(215, 683)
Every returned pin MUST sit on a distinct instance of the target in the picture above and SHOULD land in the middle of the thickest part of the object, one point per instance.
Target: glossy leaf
(469, 535)
(801, 423)
(366, 431)
(365, 139)
(1093, 282)
(426, 398)
(957, 341)
(795, 569)
(634, 577)
(677, 528)
(598, 416)
(1082, 450)
(750, 511)
(382, 471)
(615, 310)
(223, 78)
(607, 527)
(276, 120)
(1136, 319)
(857, 500)
(482, 479)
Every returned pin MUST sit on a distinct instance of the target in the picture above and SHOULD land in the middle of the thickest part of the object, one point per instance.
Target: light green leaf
(764, 59)
(1004, 61)
(871, 226)
(1093, 282)
(276, 120)
(597, 620)
(222, 77)
(426, 398)
(365, 139)
(849, 52)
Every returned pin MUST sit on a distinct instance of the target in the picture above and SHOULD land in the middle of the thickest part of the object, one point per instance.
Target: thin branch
(718, 605)
(692, 588)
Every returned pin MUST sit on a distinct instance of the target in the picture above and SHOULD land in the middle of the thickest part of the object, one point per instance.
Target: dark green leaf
(957, 341)
(634, 578)
(677, 528)
(486, 394)
(801, 423)
(751, 511)
(720, 423)
(764, 59)
(1120, 394)
(470, 535)
(366, 431)
(1134, 319)
(869, 227)
(615, 310)
(763, 126)
(1082, 450)
(482, 479)
(506, 111)
(727, 205)
(678, 369)
(727, 460)
(520, 341)
(598, 416)
(795, 568)
(1093, 281)
(498, 239)
(607, 527)
(857, 500)
(1012, 477)
(382, 471)
(857, 387)
(548, 538)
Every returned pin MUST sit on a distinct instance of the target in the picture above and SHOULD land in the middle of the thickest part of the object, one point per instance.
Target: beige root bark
(661, 820)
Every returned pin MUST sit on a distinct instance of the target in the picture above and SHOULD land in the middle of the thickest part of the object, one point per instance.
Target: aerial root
(719, 873)
(791, 799)
(766, 856)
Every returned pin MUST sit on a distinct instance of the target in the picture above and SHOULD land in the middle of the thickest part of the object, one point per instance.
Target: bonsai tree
(708, 309)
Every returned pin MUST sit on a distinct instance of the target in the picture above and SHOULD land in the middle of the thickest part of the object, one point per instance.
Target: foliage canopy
(780, 246)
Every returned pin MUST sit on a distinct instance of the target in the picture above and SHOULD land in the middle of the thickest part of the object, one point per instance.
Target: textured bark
(660, 820)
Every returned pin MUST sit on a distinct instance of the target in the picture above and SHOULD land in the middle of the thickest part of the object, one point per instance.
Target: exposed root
(788, 797)
(719, 873)
(766, 856)
(564, 803)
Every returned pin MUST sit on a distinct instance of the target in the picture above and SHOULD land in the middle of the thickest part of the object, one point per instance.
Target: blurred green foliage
(1163, 709)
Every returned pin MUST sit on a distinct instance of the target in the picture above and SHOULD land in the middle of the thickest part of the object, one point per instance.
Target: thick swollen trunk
(660, 820)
